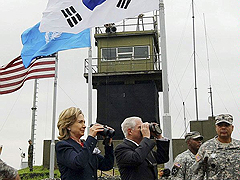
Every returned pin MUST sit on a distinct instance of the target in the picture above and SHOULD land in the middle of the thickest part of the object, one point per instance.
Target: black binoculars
(155, 128)
(107, 133)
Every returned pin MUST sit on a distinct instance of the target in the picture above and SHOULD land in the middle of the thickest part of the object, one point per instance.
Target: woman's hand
(95, 129)
(110, 139)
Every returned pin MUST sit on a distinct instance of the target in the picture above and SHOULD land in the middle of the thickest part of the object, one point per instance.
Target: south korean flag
(73, 16)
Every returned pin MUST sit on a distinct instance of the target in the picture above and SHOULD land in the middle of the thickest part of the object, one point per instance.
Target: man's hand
(145, 130)
(158, 136)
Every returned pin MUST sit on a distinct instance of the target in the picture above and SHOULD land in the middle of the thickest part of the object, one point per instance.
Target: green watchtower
(127, 71)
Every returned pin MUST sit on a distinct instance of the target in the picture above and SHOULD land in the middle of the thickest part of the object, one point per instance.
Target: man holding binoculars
(135, 156)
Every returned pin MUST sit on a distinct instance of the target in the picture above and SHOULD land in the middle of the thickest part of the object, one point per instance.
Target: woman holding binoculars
(76, 159)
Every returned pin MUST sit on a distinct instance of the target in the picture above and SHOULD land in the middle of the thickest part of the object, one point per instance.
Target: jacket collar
(78, 148)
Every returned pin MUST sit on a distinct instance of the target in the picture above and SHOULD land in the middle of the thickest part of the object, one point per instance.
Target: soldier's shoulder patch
(198, 157)
(175, 168)
(177, 164)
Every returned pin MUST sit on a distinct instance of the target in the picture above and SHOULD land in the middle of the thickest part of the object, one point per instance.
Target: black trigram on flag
(71, 16)
(123, 3)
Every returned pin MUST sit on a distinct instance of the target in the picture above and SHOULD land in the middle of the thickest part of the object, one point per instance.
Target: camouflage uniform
(182, 164)
(7, 172)
(165, 178)
(30, 156)
(223, 161)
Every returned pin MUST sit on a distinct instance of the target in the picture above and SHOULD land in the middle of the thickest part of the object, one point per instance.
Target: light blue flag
(37, 44)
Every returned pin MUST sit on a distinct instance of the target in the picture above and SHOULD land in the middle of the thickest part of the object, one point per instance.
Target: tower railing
(140, 23)
(118, 65)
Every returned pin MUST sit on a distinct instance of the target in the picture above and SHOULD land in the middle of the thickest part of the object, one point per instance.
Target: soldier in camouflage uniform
(30, 155)
(183, 162)
(219, 157)
(8, 172)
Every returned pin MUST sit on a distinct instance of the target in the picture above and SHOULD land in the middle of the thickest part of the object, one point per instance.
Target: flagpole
(167, 129)
(52, 148)
(34, 109)
(89, 84)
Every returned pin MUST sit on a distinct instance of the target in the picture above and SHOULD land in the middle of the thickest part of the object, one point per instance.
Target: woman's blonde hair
(67, 118)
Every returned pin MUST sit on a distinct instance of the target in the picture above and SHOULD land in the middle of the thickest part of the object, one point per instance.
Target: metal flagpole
(52, 148)
(34, 109)
(89, 85)
(167, 129)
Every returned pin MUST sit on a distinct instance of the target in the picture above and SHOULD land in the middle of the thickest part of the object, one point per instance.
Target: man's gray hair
(129, 122)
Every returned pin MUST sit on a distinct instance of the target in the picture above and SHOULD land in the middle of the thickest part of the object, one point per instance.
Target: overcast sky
(222, 25)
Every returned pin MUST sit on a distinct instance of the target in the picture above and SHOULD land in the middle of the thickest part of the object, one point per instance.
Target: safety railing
(99, 65)
(141, 23)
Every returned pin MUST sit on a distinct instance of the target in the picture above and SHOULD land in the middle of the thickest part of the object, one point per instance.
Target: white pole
(34, 109)
(89, 85)
(52, 148)
(167, 129)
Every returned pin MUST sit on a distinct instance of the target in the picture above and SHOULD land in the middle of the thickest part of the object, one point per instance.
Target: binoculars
(107, 133)
(155, 128)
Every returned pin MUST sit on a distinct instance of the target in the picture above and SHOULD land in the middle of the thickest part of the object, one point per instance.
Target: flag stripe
(22, 68)
(13, 75)
(14, 62)
(20, 78)
(29, 77)
(24, 74)
(17, 87)
(11, 83)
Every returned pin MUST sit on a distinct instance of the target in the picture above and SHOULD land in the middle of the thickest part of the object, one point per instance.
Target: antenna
(195, 64)
(185, 120)
(209, 75)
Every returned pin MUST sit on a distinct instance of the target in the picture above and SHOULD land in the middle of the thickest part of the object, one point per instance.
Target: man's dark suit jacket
(80, 163)
(139, 162)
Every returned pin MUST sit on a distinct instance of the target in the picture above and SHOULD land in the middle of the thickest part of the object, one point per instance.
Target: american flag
(14, 74)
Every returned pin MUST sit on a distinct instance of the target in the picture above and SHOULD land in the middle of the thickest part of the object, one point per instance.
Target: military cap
(193, 135)
(227, 118)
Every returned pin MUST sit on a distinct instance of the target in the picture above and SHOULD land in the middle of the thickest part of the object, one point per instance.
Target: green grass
(38, 173)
